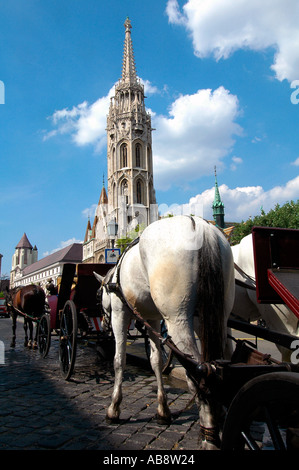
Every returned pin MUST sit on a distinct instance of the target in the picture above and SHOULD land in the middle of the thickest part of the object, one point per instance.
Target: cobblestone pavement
(39, 410)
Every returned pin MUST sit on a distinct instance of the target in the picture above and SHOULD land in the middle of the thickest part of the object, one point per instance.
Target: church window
(138, 155)
(139, 192)
(124, 155)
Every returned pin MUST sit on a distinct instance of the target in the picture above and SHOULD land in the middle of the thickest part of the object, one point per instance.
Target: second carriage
(75, 315)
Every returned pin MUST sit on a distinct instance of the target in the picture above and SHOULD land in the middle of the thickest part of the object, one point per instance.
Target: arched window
(113, 160)
(114, 195)
(138, 155)
(124, 155)
(139, 192)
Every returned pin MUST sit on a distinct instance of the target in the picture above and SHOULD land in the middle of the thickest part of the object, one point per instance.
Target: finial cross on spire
(129, 69)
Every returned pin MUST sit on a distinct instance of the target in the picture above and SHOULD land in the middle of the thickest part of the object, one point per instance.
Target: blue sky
(222, 85)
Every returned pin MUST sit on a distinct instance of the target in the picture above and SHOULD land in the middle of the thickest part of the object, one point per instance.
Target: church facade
(131, 200)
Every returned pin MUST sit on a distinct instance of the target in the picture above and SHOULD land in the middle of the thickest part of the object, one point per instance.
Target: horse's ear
(98, 277)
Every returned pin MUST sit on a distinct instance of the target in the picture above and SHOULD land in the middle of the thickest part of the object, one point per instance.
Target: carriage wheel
(44, 335)
(166, 352)
(267, 405)
(68, 339)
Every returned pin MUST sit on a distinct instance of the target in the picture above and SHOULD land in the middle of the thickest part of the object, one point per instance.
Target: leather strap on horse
(23, 313)
(249, 278)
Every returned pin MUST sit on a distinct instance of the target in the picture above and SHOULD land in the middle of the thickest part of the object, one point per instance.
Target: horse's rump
(30, 300)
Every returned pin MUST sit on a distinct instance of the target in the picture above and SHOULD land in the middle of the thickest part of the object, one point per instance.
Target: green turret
(218, 206)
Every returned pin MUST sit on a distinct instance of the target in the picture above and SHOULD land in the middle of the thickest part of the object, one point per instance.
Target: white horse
(182, 267)
(277, 317)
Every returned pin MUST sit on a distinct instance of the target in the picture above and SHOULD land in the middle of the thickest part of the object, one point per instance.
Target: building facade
(27, 269)
(131, 199)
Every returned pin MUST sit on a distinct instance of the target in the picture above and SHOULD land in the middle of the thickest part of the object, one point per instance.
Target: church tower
(24, 255)
(131, 199)
(218, 207)
(131, 193)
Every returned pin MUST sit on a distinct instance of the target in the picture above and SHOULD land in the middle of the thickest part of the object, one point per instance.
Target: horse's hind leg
(34, 345)
(120, 321)
(26, 342)
(14, 326)
(163, 413)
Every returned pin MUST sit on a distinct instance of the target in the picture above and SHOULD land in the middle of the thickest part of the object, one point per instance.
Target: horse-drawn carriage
(245, 390)
(261, 389)
(74, 313)
(253, 388)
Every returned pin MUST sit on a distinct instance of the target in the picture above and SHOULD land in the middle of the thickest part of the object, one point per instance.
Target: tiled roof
(103, 197)
(69, 254)
(24, 242)
(88, 229)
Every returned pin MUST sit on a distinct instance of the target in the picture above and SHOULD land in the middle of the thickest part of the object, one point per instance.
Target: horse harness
(238, 282)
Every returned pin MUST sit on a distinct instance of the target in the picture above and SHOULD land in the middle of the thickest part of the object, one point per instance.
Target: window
(124, 155)
(138, 155)
(138, 192)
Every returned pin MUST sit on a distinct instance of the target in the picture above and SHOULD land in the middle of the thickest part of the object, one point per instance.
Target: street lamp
(112, 229)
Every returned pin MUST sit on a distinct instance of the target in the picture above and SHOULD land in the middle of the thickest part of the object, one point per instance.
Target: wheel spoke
(274, 431)
(251, 443)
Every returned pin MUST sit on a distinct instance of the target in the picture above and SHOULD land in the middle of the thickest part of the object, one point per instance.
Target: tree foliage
(286, 216)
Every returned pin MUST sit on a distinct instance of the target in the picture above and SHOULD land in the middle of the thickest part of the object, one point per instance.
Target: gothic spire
(218, 206)
(128, 70)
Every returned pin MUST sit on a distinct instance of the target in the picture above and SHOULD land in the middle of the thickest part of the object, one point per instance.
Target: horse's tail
(211, 298)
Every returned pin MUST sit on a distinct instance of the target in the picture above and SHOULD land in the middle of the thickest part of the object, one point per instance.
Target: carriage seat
(85, 297)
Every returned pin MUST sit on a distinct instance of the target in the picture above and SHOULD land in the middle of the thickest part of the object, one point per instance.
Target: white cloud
(89, 212)
(220, 27)
(296, 162)
(86, 123)
(235, 162)
(196, 135)
(242, 202)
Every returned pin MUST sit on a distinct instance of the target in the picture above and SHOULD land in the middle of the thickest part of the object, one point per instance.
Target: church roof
(24, 242)
(88, 228)
(69, 254)
(93, 232)
(103, 197)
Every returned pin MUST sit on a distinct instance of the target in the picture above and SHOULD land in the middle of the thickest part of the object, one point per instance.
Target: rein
(23, 313)
(249, 278)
